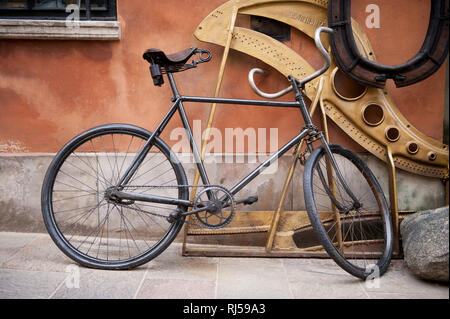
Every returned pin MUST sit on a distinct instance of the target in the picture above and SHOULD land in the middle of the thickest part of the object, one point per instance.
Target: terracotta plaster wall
(52, 90)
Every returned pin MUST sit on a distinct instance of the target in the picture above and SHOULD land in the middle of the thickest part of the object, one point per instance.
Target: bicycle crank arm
(120, 195)
(195, 211)
(177, 213)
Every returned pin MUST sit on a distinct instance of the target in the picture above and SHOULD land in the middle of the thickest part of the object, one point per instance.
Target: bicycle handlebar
(251, 81)
(303, 81)
(322, 51)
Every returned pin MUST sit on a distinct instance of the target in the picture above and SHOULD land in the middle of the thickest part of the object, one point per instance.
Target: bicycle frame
(308, 130)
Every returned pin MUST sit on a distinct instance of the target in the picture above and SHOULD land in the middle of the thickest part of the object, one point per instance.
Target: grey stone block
(425, 243)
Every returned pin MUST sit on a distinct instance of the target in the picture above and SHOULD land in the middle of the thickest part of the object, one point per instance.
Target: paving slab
(399, 283)
(170, 275)
(188, 268)
(321, 279)
(19, 284)
(178, 267)
(31, 266)
(177, 289)
(83, 283)
(11, 243)
(250, 278)
(41, 254)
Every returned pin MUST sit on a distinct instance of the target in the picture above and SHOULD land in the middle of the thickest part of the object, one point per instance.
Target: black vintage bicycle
(116, 196)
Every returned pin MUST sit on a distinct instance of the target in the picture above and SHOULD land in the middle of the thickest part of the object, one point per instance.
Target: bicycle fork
(313, 131)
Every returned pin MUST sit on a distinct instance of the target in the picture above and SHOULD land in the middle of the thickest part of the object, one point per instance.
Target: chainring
(214, 217)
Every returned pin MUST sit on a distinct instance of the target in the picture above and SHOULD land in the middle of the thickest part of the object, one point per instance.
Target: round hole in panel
(373, 114)
(432, 156)
(392, 134)
(412, 147)
(345, 87)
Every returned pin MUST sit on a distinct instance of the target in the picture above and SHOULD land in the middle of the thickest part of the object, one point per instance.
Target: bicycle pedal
(248, 201)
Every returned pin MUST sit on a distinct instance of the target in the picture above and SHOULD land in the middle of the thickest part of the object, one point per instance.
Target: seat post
(173, 85)
(188, 130)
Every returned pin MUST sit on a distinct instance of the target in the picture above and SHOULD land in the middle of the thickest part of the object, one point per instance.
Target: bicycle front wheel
(82, 220)
(350, 214)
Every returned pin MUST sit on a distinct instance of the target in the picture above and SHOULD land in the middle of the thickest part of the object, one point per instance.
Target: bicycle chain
(177, 186)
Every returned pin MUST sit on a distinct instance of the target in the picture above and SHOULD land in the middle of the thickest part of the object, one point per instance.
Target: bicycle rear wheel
(355, 230)
(83, 221)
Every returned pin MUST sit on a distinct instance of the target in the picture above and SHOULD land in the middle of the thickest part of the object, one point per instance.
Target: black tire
(356, 238)
(91, 229)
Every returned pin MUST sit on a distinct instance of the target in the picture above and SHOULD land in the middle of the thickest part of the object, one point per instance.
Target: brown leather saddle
(161, 63)
(427, 61)
(156, 56)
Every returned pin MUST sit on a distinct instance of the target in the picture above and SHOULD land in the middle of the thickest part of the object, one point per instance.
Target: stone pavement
(31, 267)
